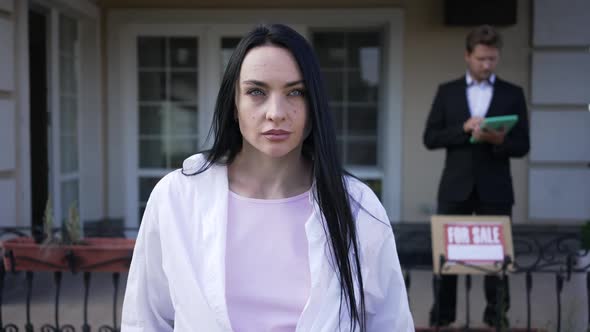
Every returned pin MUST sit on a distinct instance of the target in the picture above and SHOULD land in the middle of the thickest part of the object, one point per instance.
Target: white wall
(7, 135)
(7, 54)
(90, 109)
(8, 205)
(7, 202)
(560, 122)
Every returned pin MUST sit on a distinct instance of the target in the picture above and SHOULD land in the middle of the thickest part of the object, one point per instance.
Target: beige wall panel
(561, 77)
(560, 195)
(564, 23)
(7, 54)
(8, 202)
(248, 4)
(7, 135)
(434, 54)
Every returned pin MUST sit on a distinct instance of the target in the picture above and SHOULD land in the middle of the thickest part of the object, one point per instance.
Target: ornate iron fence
(538, 249)
(543, 249)
(74, 265)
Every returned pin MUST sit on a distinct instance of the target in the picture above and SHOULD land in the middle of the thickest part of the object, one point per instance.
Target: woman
(265, 231)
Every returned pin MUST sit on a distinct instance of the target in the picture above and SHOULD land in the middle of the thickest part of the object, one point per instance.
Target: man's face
(482, 62)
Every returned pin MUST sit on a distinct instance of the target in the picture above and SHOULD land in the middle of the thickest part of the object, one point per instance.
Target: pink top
(267, 265)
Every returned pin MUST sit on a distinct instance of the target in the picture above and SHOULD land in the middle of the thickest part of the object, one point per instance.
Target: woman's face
(270, 102)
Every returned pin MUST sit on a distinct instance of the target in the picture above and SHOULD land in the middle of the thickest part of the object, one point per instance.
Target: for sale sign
(465, 241)
(474, 243)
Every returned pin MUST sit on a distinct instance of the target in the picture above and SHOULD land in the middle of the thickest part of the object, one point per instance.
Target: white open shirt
(177, 276)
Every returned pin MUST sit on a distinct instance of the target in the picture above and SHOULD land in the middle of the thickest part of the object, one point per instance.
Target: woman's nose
(276, 109)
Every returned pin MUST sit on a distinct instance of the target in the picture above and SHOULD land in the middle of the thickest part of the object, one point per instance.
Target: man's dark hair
(484, 35)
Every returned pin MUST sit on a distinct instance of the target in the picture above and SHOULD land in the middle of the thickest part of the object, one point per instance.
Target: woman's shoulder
(191, 176)
(365, 203)
(193, 164)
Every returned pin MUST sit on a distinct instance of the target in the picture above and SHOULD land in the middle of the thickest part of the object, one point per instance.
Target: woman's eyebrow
(255, 82)
(265, 85)
(290, 84)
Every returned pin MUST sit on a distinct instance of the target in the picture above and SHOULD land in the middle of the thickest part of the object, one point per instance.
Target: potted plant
(68, 252)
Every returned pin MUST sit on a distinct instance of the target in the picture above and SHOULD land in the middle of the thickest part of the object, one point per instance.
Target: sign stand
(471, 245)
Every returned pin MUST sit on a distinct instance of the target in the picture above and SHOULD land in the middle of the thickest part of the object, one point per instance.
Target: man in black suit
(476, 178)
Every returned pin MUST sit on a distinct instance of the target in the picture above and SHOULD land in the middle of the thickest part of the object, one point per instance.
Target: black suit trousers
(448, 283)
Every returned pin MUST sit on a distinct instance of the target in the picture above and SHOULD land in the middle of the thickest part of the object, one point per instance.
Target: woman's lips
(276, 135)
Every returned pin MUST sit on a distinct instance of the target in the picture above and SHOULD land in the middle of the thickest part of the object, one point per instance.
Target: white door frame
(124, 24)
(80, 10)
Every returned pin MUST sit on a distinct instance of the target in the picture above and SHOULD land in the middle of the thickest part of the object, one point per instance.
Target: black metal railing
(74, 267)
(539, 249)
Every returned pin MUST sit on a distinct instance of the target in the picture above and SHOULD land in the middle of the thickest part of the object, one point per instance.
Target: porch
(549, 290)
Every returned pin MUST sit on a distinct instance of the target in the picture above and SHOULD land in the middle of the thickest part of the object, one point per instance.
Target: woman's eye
(255, 92)
(296, 93)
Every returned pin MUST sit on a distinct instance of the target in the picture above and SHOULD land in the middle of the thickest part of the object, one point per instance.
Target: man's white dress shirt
(479, 95)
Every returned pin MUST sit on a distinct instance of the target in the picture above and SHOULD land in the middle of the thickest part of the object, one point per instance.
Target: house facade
(100, 99)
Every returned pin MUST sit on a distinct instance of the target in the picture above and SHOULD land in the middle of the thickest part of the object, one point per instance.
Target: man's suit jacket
(483, 167)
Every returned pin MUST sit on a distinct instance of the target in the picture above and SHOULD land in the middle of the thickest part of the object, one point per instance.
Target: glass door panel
(68, 188)
(168, 109)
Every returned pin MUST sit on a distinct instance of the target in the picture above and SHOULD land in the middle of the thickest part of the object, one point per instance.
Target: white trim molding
(23, 174)
(210, 26)
(77, 8)
(7, 6)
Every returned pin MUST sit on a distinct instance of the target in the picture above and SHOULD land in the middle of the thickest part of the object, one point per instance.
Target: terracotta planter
(95, 255)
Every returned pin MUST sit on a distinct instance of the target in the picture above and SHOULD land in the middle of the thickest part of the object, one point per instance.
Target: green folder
(504, 122)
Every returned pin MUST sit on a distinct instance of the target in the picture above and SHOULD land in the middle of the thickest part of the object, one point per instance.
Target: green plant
(71, 233)
(48, 221)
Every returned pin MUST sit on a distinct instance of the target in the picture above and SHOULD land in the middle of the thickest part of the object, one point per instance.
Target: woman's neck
(269, 178)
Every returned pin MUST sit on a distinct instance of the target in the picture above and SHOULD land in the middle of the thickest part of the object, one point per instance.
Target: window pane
(340, 148)
(338, 119)
(376, 186)
(362, 153)
(362, 121)
(68, 79)
(362, 88)
(364, 48)
(330, 48)
(184, 120)
(151, 52)
(184, 87)
(151, 153)
(68, 35)
(183, 52)
(69, 196)
(151, 120)
(228, 45)
(141, 211)
(334, 81)
(146, 185)
(69, 153)
(152, 86)
(180, 149)
(351, 66)
(68, 117)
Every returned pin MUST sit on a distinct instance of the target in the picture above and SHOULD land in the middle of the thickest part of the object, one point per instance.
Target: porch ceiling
(235, 4)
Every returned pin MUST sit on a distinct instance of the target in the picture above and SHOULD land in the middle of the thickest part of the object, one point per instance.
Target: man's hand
(491, 136)
(472, 124)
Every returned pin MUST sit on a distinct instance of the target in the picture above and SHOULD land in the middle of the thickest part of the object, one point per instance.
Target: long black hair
(319, 148)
